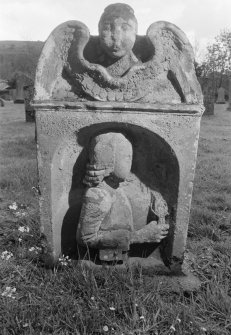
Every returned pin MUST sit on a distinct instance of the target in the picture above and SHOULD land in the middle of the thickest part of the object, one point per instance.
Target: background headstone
(220, 95)
(29, 109)
(229, 106)
(208, 90)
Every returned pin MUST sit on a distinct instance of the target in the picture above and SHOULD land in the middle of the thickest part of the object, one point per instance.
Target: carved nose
(116, 36)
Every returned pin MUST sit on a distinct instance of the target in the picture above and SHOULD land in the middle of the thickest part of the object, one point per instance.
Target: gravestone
(4, 89)
(117, 119)
(220, 95)
(29, 109)
(208, 90)
(229, 105)
(21, 80)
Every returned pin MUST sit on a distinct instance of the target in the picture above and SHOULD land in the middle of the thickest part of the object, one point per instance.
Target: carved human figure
(116, 205)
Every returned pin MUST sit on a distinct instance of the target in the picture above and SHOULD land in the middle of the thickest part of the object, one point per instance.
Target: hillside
(21, 56)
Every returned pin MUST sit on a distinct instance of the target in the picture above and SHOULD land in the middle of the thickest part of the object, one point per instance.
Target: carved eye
(125, 26)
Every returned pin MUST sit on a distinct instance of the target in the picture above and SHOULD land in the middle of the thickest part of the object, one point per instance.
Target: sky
(34, 20)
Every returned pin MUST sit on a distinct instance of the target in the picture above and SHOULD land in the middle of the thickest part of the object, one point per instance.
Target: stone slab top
(182, 108)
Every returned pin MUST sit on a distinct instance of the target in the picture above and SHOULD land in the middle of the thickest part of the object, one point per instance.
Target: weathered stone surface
(117, 119)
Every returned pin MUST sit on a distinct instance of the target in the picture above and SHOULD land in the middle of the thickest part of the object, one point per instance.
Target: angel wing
(173, 50)
(52, 61)
(168, 76)
(63, 71)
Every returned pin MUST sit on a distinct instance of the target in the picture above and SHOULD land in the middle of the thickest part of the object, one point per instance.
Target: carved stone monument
(118, 118)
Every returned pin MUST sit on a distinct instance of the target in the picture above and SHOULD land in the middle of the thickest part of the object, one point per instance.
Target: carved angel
(118, 65)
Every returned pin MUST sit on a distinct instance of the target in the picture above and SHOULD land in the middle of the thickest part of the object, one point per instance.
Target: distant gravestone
(208, 91)
(29, 109)
(221, 95)
(21, 80)
(229, 106)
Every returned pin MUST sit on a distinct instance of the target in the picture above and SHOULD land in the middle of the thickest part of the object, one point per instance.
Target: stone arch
(154, 163)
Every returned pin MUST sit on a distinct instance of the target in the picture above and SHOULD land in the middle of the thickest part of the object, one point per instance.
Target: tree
(218, 57)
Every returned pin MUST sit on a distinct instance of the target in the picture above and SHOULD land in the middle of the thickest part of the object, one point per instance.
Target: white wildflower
(92, 298)
(25, 325)
(24, 229)
(35, 249)
(6, 255)
(141, 317)
(105, 328)
(20, 239)
(112, 308)
(64, 260)
(13, 207)
(172, 328)
(203, 329)
(20, 214)
(9, 292)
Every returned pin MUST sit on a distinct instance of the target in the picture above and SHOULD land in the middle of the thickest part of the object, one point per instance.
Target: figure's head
(117, 30)
(112, 152)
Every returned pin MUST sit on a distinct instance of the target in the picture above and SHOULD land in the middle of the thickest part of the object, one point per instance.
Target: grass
(74, 300)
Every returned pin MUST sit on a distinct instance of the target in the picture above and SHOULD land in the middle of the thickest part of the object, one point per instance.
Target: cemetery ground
(70, 299)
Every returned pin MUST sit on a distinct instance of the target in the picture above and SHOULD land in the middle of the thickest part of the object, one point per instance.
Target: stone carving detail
(118, 65)
(116, 205)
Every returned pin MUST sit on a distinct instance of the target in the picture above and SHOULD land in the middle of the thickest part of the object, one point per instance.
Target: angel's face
(117, 36)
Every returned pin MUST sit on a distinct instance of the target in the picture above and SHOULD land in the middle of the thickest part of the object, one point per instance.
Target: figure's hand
(151, 233)
(93, 175)
(158, 231)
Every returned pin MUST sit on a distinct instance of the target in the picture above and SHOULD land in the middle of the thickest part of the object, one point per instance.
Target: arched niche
(154, 164)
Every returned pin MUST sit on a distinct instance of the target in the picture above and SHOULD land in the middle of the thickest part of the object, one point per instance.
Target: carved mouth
(115, 49)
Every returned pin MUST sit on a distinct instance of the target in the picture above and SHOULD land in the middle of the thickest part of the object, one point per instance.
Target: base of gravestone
(182, 281)
(30, 116)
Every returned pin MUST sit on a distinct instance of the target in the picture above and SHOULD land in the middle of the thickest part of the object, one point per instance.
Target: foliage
(218, 57)
(19, 56)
